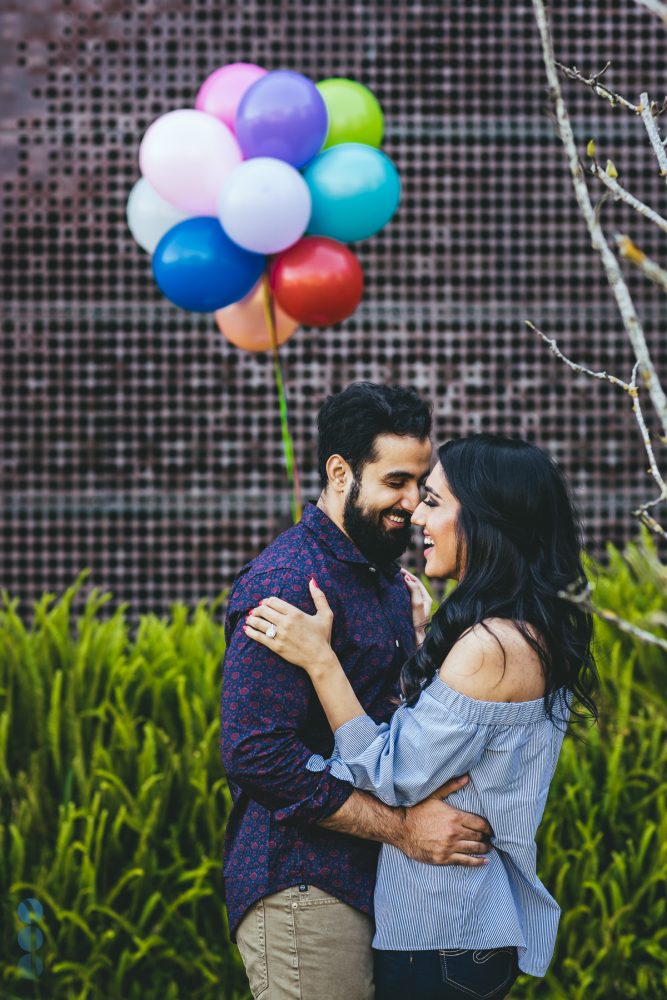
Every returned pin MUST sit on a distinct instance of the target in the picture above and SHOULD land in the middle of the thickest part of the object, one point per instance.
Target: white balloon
(149, 216)
(186, 155)
(264, 205)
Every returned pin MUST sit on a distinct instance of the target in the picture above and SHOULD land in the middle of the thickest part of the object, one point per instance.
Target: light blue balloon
(355, 190)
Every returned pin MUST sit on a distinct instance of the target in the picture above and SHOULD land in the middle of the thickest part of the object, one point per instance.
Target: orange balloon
(243, 323)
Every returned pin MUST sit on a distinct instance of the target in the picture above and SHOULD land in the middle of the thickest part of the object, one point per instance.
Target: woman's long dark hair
(518, 544)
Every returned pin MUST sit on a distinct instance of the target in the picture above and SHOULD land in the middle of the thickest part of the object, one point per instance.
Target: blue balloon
(355, 190)
(198, 267)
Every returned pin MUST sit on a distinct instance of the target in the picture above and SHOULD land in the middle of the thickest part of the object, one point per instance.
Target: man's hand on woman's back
(439, 834)
(432, 832)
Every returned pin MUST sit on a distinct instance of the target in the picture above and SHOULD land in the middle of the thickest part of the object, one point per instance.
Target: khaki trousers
(307, 946)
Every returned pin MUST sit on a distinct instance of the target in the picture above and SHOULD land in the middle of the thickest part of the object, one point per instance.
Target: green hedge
(603, 840)
(113, 805)
(114, 802)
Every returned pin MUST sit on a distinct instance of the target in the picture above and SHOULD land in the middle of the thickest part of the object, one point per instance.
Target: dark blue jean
(445, 974)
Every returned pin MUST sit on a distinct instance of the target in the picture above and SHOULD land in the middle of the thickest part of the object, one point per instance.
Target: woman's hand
(301, 639)
(421, 602)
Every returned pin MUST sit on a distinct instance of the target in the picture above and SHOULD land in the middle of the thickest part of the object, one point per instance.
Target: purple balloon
(282, 115)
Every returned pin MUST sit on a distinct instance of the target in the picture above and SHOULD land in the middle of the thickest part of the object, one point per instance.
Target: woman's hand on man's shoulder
(493, 661)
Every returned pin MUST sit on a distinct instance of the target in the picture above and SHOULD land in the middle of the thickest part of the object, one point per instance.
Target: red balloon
(318, 281)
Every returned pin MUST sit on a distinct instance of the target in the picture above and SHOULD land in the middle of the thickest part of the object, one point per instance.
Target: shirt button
(398, 643)
(372, 569)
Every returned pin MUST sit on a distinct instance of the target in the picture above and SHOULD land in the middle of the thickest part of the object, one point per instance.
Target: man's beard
(365, 528)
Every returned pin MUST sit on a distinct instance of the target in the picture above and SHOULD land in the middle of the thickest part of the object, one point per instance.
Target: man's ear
(339, 473)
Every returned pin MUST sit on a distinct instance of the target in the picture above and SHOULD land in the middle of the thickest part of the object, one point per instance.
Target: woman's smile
(437, 515)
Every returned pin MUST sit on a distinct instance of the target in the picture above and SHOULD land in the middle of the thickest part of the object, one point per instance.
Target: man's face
(379, 505)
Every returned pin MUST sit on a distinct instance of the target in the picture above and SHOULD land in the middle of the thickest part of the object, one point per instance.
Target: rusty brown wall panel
(134, 440)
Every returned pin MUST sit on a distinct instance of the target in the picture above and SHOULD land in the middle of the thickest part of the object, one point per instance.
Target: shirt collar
(342, 547)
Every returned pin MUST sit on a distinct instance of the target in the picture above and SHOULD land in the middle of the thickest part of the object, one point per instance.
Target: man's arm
(267, 704)
(432, 832)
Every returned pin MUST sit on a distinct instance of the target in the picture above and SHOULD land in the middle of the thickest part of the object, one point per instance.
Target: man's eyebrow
(398, 474)
(429, 489)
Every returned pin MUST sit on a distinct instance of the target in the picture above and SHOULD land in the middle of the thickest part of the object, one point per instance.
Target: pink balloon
(221, 92)
(186, 155)
(243, 324)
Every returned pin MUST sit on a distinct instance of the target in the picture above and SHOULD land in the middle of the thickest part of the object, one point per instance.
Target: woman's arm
(305, 641)
(402, 762)
(405, 760)
(334, 690)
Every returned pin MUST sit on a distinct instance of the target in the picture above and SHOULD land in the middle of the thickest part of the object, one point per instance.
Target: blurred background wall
(138, 442)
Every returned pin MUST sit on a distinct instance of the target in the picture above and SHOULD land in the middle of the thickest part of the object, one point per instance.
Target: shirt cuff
(327, 798)
(337, 767)
(355, 736)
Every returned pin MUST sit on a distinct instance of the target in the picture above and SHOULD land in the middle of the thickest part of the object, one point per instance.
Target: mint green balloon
(354, 112)
(355, 190)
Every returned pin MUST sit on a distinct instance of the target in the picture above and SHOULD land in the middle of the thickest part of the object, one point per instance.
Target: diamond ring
(271, 631)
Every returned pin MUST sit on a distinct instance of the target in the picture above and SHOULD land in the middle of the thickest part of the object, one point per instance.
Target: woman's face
(438, 515)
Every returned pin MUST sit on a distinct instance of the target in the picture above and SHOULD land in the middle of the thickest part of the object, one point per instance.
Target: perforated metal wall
(135, 440)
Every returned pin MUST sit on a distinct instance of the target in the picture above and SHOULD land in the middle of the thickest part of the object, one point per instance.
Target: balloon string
(288, 444)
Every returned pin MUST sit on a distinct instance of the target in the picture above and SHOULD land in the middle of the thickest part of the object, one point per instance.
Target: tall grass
(113, 802)
(113, 805)
(603, 840)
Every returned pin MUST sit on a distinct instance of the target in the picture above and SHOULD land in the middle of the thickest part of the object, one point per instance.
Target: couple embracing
(389, 768)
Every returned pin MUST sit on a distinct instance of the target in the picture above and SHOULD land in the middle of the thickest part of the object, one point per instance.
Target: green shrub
(603, 840)
(113, 805)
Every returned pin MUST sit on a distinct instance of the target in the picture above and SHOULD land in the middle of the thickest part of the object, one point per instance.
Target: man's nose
(410, 500)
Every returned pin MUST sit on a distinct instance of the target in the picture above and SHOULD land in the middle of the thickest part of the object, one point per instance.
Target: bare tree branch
(555, 349)
(656, 7)
(633, 391)
(598, 88)
(611, 265)
(631, 252)
(648, 113)
(641, 513)
(582, 597)
(620, 194)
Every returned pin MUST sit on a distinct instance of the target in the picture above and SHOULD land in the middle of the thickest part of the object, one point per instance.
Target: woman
(489, 691)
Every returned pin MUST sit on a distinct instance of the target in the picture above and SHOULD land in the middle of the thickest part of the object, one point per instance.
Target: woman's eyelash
(429, 503)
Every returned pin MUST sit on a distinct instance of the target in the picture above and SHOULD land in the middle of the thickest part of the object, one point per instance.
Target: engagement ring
(271, 632)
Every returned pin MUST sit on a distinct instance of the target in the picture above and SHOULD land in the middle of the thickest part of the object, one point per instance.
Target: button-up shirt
(510, 750)
(272, 722)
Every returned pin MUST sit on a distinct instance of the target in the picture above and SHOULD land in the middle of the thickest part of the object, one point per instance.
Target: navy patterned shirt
(272, 722)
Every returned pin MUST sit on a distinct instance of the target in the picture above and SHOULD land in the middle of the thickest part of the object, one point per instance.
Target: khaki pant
(307, 946)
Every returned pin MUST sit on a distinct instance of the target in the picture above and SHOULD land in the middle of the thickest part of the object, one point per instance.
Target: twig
(648, 117)
(582, 597)
(555, 349)
(598, 88)
(620, 194)
(655, 7)
(633, 391)
(641, 513)
(648, 267)
(611, 265)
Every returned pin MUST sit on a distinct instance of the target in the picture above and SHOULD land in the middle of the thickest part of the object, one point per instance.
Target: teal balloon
(355, 190)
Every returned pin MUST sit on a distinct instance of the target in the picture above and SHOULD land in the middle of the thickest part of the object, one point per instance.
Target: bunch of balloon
(246, 203)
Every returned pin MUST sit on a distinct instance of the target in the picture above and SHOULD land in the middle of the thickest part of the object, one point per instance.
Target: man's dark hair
(350, 421)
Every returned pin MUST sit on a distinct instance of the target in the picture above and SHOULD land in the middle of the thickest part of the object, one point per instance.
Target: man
(301, 846)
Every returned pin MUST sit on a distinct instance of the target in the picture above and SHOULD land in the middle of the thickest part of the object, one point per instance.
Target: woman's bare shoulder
(493, 661)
